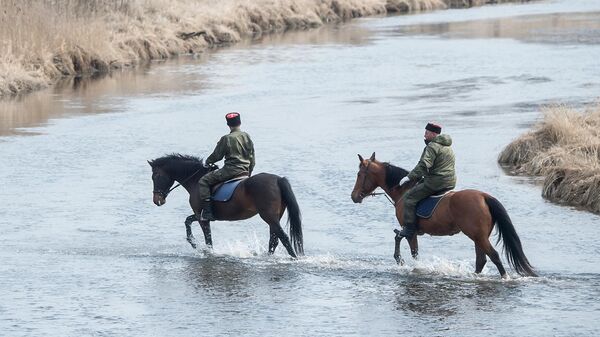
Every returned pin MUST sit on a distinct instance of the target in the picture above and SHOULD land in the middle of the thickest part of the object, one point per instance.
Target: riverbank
(564, 149)
(41, 43)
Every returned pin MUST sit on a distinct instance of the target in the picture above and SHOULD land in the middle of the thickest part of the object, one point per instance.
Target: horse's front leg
(205, 225)
(397, 256)
(188, 230)
(414, 246)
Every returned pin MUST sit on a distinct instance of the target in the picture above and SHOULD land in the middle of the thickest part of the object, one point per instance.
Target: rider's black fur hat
(433, 128)
(233, 119)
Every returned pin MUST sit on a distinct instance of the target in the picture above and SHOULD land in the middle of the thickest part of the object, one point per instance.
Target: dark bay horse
(265, 194)
(469, 211)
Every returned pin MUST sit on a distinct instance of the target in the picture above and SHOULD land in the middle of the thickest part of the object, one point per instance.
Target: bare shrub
(565, 149)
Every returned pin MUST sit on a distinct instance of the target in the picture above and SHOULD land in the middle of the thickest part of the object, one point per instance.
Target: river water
(84, 251)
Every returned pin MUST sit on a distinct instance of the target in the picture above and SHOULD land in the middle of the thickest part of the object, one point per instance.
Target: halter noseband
(362, 188)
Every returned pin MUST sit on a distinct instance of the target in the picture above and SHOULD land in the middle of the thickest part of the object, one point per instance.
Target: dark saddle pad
(426, 207)
(224, 191)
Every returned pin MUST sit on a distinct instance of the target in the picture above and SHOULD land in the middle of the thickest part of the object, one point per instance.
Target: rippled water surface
(84, 251)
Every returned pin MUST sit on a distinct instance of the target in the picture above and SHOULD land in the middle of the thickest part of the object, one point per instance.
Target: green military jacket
(436, 164)
(238, 150)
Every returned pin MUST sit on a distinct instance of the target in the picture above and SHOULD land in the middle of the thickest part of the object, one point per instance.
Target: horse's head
(162, 182)
(370, 173)
(175, 167)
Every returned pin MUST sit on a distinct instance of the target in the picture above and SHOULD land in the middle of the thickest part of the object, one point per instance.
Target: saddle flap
(224, 190)
(427, 206)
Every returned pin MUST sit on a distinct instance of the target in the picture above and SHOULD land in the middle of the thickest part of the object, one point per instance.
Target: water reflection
(220, 275)
(347, 34)
(444, 298)
(236, 278)
(556, 28)
(99, 93)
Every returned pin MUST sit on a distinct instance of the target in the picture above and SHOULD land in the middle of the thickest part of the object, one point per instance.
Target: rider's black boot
(408, 231)
(206, 214)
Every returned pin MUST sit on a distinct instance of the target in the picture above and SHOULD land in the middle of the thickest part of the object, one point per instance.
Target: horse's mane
(393, 174)
(181, 166)
(175, 157)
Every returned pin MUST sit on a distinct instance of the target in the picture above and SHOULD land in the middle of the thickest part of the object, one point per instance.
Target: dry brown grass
(565, 149)
(41, 41)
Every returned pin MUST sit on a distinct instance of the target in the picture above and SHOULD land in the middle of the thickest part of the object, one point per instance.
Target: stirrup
(406, 232)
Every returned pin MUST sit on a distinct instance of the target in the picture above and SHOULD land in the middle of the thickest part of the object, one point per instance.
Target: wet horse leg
(271, 217)
(205, 225)
(285, 240)
(414, 246)
(273, 238)
(276, 229)
(488, 249)
(273, 241)
(188, 230)
(480, 259)
(397, 256)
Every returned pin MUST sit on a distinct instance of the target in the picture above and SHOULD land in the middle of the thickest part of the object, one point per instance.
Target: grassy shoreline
(41, 42)
(564, 148)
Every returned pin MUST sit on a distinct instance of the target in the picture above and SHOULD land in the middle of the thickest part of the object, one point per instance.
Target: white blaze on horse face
(158, 199)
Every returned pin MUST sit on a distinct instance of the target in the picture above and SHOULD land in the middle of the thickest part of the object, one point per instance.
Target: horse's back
(262, 185)
(464, 201)
(263, 178)
(454, 210)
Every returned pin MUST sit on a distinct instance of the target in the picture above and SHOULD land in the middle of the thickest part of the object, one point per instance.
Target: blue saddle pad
(426, 206)
(226, 190)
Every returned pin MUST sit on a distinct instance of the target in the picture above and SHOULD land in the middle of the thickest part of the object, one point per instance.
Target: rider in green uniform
(436, 167)
(238, 150)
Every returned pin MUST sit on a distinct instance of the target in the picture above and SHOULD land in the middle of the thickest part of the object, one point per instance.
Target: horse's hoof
(399, 260)
(192, 241)
(505, 277)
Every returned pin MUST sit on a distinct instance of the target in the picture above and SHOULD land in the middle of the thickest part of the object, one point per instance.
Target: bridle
(165, 194)
(362, 188)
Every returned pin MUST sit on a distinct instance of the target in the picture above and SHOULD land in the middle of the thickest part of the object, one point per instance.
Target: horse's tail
(512, 243)
(294, 216)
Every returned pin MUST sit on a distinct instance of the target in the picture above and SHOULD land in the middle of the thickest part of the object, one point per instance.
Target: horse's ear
(149, 163)
(361, 158)
(372, 156)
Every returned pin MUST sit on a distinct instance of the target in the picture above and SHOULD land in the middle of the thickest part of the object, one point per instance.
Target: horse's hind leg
(480, 259)
(285, 240)
(273, 241)
(188, 230)
(273, 238)
(276, 229)
(488, 249)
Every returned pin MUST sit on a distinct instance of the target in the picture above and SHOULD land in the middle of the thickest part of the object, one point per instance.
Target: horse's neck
(397, 192)
(184, 176)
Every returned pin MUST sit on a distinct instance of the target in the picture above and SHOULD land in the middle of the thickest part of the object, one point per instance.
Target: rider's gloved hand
(404, 180)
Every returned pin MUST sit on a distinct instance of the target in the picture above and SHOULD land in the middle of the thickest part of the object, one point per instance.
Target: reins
(178, 184)
(382, 193)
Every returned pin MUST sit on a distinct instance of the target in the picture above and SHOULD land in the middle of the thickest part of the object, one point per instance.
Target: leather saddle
(223, 191)
(427, 206)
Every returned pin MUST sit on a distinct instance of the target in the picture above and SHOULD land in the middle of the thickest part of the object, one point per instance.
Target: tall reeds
(41, 41)
(564, 149)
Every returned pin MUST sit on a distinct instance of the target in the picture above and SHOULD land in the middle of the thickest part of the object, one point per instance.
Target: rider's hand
(206, 165)
(404, 180)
